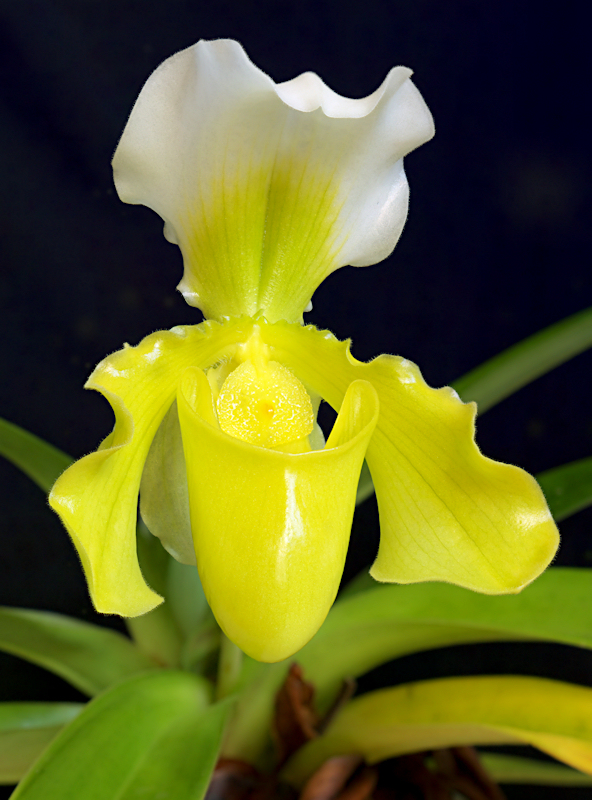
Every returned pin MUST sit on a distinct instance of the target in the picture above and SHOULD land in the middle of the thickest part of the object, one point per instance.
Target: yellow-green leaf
(553, 716)
(568, 488)
(516, 769)
(385, 622)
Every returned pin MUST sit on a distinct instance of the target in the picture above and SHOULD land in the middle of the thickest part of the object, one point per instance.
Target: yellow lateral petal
(97, 497)
(446, 511)
(270, 528)
(556, 717)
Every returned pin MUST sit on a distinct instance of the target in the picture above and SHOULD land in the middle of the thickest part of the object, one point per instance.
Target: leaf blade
(25, 731)
(516, 769)
(168, 744)
(556, 717)
(89, 657)
(496, 379)
(366, 629)
(568, 488)
(41, 461)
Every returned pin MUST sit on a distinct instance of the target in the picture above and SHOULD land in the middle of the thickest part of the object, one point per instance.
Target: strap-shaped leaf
(556, 717)
(87, 656)
(568, 488)
(517, 366)
(42, 462)
(25, 731)
(516, 769)
(153, 736)
(389, 621)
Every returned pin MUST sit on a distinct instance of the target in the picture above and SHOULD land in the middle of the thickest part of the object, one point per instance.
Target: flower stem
(229, 667)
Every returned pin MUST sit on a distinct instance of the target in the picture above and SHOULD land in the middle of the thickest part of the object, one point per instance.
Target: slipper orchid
(267, 189)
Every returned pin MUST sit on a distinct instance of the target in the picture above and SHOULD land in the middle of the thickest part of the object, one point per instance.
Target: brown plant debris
(329, 780)
(233, 780)
(295, 720)
(437, 775)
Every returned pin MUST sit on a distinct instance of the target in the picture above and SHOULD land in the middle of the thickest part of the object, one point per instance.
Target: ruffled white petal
(267, 188)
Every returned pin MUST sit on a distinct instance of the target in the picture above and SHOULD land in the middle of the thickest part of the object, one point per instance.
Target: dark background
(497, 245)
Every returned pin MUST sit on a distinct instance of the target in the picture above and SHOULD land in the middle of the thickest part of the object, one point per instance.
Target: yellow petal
(97, 497)
(271, 528)
(446, 511)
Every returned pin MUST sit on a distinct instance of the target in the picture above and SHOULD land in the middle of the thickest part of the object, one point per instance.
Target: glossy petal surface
(447, 512)
(267, 188)
(271, 529)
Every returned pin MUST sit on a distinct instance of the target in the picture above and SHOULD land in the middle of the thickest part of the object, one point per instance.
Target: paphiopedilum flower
(267, 189)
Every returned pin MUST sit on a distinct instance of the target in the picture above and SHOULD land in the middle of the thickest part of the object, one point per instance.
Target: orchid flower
(267, 189)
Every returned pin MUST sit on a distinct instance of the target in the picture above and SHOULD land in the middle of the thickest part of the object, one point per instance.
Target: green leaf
(568, 488)
(553, 716)
(25, 731)
(519, 365)
(516, 769)
(365, 630)
(87, 656)
(248, 736)
(151, 737)
(182, 632)
(185, 595)
(42, 462)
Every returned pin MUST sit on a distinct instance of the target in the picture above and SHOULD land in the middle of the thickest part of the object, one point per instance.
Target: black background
(497, 245)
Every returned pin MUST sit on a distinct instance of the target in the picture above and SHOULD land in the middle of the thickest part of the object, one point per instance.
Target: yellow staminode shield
(270, 528)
